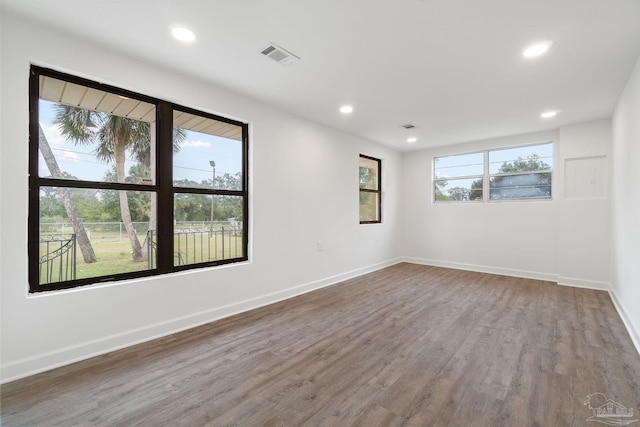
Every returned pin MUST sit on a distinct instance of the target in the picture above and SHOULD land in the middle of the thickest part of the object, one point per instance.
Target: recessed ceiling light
(549, 114)
(183, 34)
(536, 50)
(412, 140)
(346, 109)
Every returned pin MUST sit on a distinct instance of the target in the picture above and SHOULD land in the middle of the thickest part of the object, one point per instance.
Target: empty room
(320, 213)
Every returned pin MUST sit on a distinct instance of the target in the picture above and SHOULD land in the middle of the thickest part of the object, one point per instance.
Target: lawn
(114, 253)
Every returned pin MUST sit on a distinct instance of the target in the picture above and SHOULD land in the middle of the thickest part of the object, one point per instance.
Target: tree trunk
(136, 248)
(154, 201)
(152, 226)
(86, 249)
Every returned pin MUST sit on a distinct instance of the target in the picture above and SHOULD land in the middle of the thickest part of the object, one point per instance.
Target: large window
(123, 185)
(517, 173)
(370, 191)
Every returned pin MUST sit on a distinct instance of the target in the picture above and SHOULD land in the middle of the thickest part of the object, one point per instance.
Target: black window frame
(163, 187)
(378, 220)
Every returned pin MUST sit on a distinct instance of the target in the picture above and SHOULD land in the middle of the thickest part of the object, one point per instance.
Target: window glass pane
(527, 186)
(521, 159)
(92, 135)
(368, 173)
(207, 153)
(201, 237)
(460, 165)
(369, 206)
(458, 190)
(83, 234)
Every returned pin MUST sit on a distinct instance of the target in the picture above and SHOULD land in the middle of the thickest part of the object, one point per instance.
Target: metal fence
(194, 245)
(59, 260)
(113, 231)
(194, 242)
(103, 231)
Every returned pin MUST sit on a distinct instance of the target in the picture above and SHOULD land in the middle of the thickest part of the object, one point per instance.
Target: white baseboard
(582, 283)
(549, 277)
(484, 269)
(633, 331)
(45, 361)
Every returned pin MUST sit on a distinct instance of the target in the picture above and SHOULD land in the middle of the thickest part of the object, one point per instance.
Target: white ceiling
(454, 68)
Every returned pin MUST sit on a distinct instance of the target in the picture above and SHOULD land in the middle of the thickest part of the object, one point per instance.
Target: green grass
(113, 257)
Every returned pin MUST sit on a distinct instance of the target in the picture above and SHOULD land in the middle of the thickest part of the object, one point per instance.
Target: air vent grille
(268, 50)
(280, 55)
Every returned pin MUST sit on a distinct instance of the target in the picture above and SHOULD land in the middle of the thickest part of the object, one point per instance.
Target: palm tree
(115, 137)
(86, 249)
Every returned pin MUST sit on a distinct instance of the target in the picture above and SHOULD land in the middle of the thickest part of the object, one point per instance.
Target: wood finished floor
(407, 345)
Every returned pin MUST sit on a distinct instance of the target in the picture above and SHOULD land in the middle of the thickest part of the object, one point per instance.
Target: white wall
(626, 205)
(558, 240)
(1, 97)
(304, 189)
(583, 205)
(507, 237)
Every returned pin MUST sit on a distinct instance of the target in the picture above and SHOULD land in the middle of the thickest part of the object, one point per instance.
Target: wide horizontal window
(123, 185)
(504, 174)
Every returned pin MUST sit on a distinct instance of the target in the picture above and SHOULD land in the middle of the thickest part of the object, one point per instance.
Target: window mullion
(164, 179)
(485, 178)
(34, 181)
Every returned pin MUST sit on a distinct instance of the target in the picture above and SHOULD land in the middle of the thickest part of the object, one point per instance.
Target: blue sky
(472, 164)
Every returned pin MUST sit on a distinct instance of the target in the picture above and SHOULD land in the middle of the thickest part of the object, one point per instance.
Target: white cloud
(54, 138)
(68, 155)
(63, 149)
(196, 144)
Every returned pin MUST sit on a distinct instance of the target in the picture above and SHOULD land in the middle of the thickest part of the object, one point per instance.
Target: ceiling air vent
(408, 126)
(279, 54)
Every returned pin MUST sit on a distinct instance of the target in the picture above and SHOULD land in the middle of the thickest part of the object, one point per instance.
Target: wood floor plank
(408, 345)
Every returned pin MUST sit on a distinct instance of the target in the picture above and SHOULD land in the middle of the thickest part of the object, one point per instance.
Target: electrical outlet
(319, 246)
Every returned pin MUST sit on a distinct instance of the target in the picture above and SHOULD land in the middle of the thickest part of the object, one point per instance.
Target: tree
(51, 207)
(476, 190)
(115, 136)
(227, 207)
(516, 183)
(197, 207)
(228, 181)
(459, 194)
(440, 196)
(88, 254)
(192, 207)
(531, 163)
(139, 201)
